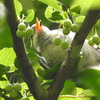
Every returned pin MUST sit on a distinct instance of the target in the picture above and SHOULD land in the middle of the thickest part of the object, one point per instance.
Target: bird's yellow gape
(38, 25)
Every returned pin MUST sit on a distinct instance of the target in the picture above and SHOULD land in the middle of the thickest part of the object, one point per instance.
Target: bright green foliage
(69, 88)
(57, 41)
(76, 9)
(98, 31)
(30, 12)
(53, 3)
(18, 6)
(79, 20)
(54, 11)
(65, 45)
(30, 15)
(84, 80)
(54, 15)
(7, 56)
(90, 34)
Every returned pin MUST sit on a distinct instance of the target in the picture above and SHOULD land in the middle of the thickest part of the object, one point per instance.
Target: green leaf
(98, 31)
(30, 15)
(79, 20)
(18, 6)
(97, 23)
(33, 56)
(92, 33)
(54, 15)
(49, 73)
(45, 74)
(89, 78)
(16, 63)
(84, 4)
(2, 79)
(3, 70)
(53, 3)
(88, 92)
(55, 68)
(69, 88)
(7, 56)
(95, 4)
(73, 72)
(67, 3)
(68, 97)
(76, 9)
(41, 72)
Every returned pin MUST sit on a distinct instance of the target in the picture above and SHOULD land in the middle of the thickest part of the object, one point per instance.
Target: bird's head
(41, 33)
(39, 28)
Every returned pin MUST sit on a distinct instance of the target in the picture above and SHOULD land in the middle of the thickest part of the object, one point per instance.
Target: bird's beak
(38, 25)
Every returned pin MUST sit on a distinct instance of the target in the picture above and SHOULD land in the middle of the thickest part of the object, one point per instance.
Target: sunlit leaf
(54, 15)
(66, 3)
(18, 6)
(7, 56)
(84, 4)
(69, 88)
(30, 15)
(67, 97)
(53, 3)
(88, 92)
(79, 20)
(76, 9)
(96, 4)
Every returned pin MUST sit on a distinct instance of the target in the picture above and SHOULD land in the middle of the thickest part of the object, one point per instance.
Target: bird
(42, 41)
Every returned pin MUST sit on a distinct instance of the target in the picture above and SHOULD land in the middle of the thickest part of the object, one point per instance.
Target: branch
(29, 75)
(77, 43)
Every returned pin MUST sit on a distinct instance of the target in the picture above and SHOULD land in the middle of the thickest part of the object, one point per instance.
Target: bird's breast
(54, 54)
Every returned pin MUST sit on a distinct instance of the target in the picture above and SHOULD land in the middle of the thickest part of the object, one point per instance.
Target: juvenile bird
(43, 43)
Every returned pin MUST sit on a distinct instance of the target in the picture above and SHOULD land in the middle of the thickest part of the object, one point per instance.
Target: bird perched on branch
(43, 43)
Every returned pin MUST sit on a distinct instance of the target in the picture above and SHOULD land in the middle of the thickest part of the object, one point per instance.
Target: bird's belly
(54, 54)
